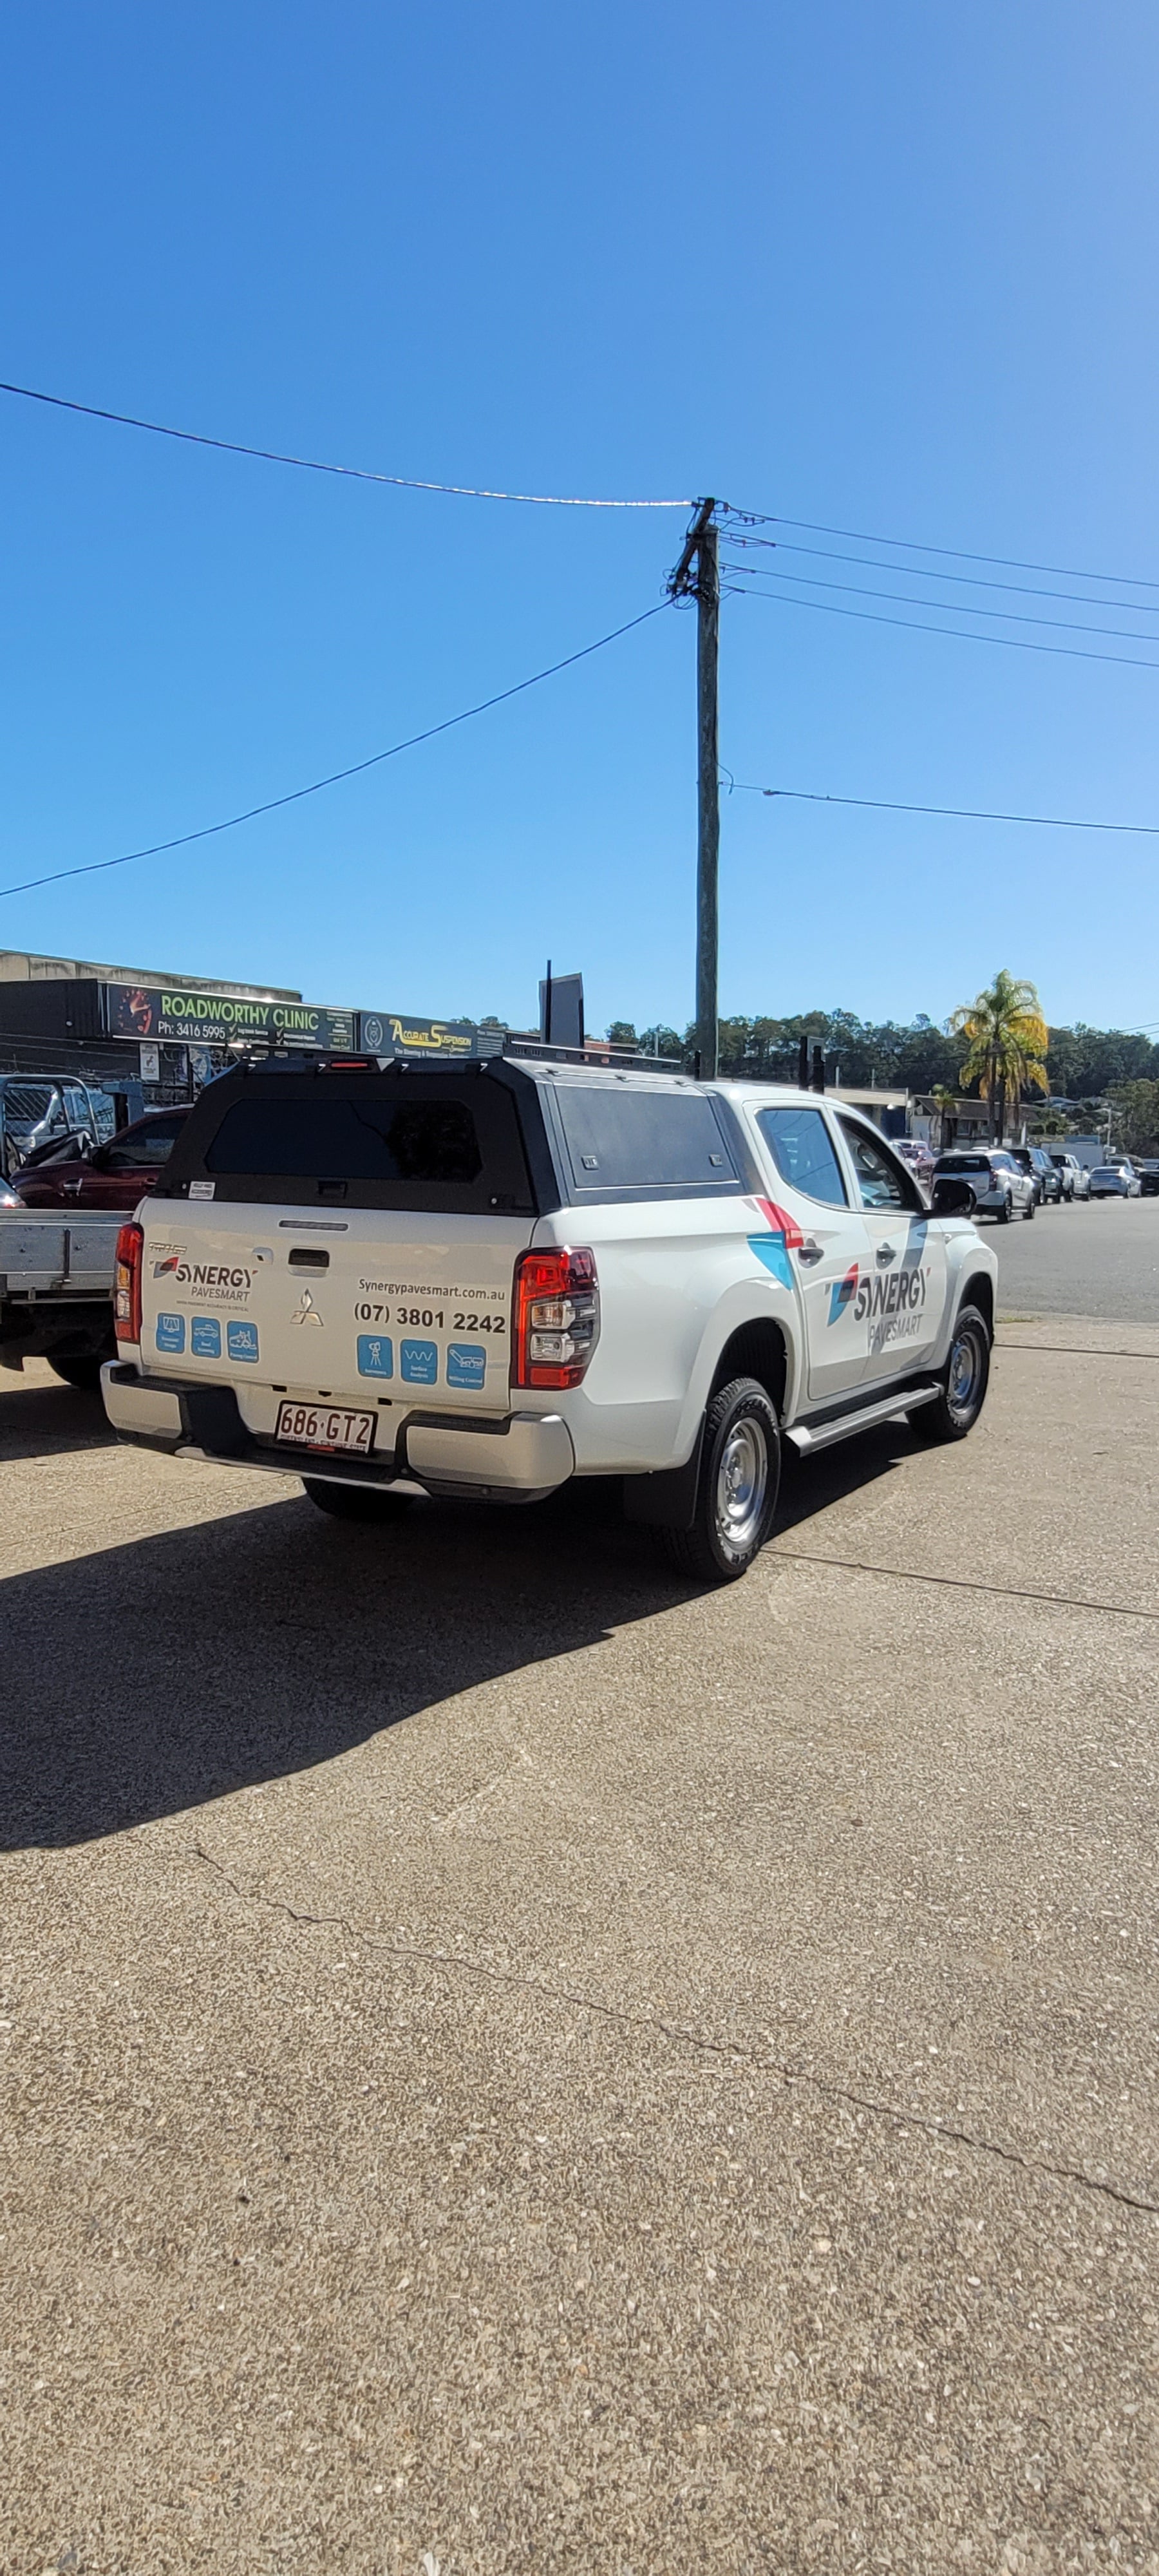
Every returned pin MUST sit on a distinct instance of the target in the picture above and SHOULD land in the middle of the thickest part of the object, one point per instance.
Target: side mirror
(952, 1198)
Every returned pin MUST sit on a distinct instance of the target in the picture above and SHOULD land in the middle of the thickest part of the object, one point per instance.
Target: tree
(621, 1034)
(946, 1103)
(1136, 1108)
(1006, 1041)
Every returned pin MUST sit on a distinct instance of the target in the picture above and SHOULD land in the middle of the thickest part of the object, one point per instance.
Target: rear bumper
(516, 1457)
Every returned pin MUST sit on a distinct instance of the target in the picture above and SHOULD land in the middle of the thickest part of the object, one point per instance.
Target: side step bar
(808, 1437)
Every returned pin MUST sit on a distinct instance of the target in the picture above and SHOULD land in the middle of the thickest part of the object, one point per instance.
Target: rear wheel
(1028, 1210)
(1004, 1211)
(84, 1372)
(736, 1498)
(964, 1381)
(354, 1502)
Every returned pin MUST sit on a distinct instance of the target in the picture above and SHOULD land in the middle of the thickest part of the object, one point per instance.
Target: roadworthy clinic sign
(214, 1019)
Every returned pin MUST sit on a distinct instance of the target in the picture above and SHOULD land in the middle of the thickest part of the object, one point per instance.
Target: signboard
(399, 1033)
(150, 1064)
(216, 1019)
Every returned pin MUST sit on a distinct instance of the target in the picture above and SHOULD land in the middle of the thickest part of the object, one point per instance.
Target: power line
(922, 572)
(953, 607)
(294, 795)
(958, 813)
(314, 465)
(920, 626)
(956, 554)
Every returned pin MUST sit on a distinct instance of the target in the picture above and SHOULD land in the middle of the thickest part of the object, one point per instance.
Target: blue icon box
(419, 1363)
(466, 1364)
(170, 1332)
(242, 1341)
(205, 1337)
(375, 1355)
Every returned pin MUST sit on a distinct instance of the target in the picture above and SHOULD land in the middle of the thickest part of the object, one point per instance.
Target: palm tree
(946, 1103)
(1007, 1040)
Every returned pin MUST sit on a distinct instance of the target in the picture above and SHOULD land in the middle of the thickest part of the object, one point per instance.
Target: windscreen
(423, 1141)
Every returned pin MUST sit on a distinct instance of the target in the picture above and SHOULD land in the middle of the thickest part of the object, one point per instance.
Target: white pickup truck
(397, 1280)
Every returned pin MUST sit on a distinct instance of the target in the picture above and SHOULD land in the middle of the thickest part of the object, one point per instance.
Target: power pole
(701, 549)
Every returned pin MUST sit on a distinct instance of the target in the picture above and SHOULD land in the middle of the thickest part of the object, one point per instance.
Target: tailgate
(377, 1306)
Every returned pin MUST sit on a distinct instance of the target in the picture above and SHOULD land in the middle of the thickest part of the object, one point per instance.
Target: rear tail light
(127, 1284)
(782, 1223)
(557, 1317)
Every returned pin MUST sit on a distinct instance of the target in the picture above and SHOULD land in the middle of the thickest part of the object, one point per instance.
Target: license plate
(326, 1426)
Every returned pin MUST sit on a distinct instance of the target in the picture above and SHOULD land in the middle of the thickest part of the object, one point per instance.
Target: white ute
(394, 1279)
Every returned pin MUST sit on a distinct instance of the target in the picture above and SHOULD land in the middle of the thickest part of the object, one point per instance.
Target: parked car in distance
(914, 1151)
(1115, 1181)
(41, 1109)
(112, 1176)
(1074, 1176)
(999, 1186)
(1148, 1180)
(1032, 1159)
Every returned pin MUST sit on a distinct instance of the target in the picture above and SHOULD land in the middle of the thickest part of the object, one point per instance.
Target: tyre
(1028, 1210)
(354, 1502)
(84, 1372)
(736, 1496)
(1004, 1212)
(964, 1381)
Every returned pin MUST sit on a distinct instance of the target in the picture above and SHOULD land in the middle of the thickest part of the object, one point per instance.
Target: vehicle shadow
(144, 1680)
(148, 1679)
(808, 1485)
(40, 1417)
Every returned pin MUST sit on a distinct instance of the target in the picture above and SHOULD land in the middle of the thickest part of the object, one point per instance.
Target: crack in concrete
(1073, 1350)
(959, 1583)
(737, 2051)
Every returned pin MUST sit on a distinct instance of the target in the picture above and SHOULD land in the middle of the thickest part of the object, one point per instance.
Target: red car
(112, 1176)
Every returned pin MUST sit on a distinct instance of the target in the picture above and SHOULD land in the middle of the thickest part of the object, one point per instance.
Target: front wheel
(965, 1378)
(736, 1495)
(354, 1502)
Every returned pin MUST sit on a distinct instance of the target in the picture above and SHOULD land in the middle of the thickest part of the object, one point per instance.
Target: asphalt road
(513, 2064)
(1097, 1257)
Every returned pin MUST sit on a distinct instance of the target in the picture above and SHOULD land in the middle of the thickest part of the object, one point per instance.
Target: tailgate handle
(307, 1256)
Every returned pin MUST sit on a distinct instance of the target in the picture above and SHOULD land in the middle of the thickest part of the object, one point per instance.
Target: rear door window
(802, 1149)
(143, 1148)
(621, 1138)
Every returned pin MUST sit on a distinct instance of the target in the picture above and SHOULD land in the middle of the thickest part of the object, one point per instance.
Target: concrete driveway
(513, 2064)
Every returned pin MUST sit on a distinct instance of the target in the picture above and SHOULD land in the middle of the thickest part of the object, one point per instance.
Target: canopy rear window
(357, 1139)
(963, 1163)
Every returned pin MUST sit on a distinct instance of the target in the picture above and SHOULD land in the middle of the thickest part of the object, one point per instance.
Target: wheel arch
(978, 1290)
(756, 1349)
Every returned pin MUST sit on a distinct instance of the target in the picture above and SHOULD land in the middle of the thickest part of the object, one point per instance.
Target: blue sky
(889, 269)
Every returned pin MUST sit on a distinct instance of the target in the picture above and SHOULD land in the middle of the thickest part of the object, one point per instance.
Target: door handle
(887, 1252)
(810, 1252)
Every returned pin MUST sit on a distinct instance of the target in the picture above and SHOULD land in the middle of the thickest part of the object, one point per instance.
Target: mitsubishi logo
(306, 1312)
